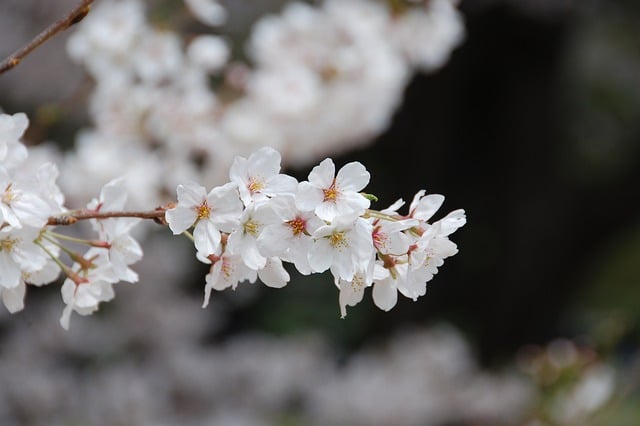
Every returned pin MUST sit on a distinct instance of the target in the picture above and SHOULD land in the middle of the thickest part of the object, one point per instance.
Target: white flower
(21, 205)
(344, 246)
(427, 37)
(290, 238)
(258, 177)
(12, 151)
(123, 249)
(388, 237)
(288, 91)
(243, 240)
(94, 286)
(208, 52)
(19, 254)
(208, 12)
(227, 271)
(332, 196)
(210, 213)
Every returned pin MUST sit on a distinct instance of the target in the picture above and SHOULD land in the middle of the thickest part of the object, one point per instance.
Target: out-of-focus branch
(73, 17)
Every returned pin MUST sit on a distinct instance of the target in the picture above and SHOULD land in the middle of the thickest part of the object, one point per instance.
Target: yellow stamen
(255, 185)
(7, 244)
(251, 227)
(203, 211)
(297, 225)
(331, 193)
(338, 240)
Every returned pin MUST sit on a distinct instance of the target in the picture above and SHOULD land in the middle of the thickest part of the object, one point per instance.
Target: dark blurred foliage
(533, 128)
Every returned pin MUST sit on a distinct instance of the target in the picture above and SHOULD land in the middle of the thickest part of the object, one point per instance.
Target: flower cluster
(248, 227)
(29, 248)
(245, 229)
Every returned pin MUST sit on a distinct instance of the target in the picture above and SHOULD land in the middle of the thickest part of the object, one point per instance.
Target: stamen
(203, 211)
(331, 193)
(298, 226)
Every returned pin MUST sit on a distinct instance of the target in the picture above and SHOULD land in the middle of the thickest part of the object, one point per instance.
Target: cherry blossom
(331, 195)
(208, 213)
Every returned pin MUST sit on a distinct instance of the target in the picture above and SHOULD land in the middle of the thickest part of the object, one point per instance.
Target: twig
(73, 17)
(73, 217)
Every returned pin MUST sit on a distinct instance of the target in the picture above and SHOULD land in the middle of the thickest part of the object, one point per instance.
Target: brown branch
(72, 217)
(73, 17)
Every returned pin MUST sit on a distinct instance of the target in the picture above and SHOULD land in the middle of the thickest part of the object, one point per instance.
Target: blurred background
(533, 127)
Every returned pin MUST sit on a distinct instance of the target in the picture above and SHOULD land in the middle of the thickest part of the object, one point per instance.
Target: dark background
(533, 128)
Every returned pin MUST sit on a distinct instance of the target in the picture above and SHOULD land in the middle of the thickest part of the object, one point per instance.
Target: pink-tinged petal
(428, 206)
(273, 274)
(353, 177)
(322, 175)
(206, 237)
(385, 295)
(191, 194)
(308, 197)
(180, 219)
(13, 298)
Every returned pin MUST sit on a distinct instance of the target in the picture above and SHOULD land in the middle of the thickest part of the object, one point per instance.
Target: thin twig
(73, 17)
(71, 218)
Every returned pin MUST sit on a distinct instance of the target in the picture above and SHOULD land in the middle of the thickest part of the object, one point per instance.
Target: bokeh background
(533, 127)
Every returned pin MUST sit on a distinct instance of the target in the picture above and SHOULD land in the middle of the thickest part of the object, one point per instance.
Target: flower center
(298, 226)
(7, 244)
(255, 185)
(251, 227)
(203, 211)
(331, 193)
(338, 240)
(8, 196)
(379, 239)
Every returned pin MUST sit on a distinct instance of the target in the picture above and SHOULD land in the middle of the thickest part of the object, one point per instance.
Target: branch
(73, 17)
(72, 217)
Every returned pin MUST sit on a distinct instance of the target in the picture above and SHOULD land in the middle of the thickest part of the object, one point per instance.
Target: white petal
(180, 219)
(13, 298)
(273, 274)
(322, 175)
(353, 177)
(308, 197)
(427, 206)
(191, 194)
(385, 295)
(320, 256)
(206, 237)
